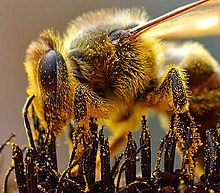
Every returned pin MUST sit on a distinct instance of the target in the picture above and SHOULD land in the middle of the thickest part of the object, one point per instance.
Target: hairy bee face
(50, 80)
(104, 56)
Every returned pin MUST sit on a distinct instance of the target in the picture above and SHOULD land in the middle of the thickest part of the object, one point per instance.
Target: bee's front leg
(80, 106)
(173, 85)
(173, 88)
(87, 105)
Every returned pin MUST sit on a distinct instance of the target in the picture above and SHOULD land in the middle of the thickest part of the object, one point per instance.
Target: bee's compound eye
(49, 67)
(116, 35)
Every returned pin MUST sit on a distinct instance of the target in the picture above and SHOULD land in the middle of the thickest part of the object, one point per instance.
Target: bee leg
(80, 127)
(80, 108)
(87, 105)
(173, 86)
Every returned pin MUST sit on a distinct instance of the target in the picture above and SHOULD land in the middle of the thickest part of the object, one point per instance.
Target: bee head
(48, 71)
(44, 60)
(106, 57)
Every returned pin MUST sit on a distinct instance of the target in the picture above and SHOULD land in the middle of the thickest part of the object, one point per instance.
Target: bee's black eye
(116, 35)
(50, 67)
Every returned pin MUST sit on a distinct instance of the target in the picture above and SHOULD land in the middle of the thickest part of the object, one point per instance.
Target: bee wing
(203, 20)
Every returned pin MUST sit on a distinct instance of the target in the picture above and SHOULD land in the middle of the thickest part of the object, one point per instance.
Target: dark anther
(51, 151)
(106, 177)
(31, 177)
(17, 156)
(170, 148)
(145, 140)
(130, 169)
(92, 152)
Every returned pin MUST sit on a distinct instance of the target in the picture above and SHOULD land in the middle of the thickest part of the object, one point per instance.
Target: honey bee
(114, 64)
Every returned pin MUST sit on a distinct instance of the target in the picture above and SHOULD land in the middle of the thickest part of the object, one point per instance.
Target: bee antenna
(154, 22)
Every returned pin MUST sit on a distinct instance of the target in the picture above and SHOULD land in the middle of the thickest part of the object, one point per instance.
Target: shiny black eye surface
(49, 68)
(116, 35)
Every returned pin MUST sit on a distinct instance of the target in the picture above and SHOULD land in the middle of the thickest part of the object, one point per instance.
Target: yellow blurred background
(20, 22)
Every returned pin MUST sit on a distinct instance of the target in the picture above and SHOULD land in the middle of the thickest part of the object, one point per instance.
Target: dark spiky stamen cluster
(38, 171)
(212, 164)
